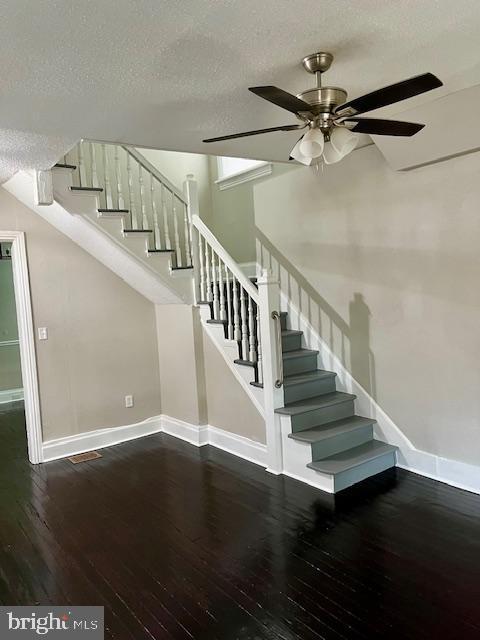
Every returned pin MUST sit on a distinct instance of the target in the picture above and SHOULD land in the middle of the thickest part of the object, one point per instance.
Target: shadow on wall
(350, 342)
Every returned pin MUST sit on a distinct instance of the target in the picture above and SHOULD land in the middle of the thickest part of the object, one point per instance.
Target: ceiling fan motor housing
(323, 101)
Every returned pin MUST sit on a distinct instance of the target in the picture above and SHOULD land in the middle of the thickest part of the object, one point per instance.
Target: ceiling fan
(331, 120)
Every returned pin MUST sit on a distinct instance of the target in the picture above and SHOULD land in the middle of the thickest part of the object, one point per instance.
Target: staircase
(116, 205)
(342, 443)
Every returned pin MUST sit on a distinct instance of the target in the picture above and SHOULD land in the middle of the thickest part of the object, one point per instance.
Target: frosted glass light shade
(343, 141)
(330, 155)
(312, 143)
(298, 156)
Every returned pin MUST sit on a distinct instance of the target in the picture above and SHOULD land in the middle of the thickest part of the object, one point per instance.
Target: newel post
(269, 302)
(43, 188)
(190, 189)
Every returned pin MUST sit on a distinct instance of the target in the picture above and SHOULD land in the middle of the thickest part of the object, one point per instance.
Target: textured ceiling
(166, 74)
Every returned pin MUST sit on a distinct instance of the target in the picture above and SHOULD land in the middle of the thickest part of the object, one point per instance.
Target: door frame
(26, 337)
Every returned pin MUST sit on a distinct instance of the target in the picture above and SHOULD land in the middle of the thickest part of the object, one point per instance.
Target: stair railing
(251, 316)
(131, 185)
(233, 298)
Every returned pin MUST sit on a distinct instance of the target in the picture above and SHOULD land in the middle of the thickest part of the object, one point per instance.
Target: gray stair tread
(138, 231)
(92, 189)
(318, 402)
(310, 376)
(112, 210)
(291, 332)
(337, 427)
(352, 457)
(212, 321)
(299, 353)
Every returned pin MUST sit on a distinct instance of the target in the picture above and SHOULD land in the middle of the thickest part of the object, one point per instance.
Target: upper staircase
(119, 207)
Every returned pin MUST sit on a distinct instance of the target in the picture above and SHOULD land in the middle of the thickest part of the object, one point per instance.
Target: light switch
(129, 401)
(42, 333)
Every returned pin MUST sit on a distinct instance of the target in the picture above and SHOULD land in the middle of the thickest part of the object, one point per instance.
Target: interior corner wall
(233, 220)
(181, 363)
(386, 265)
(229, 407)
(175, 166)
(197, 385)
(101, 333)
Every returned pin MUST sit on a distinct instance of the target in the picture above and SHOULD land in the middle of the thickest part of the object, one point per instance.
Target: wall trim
(240, 177)
(11, 395)
(99, 438)
(457, 474)
(198, 435)
(28, 360)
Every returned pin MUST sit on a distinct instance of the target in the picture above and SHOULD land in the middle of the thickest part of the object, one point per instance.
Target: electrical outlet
(129, 401)
(42, 333)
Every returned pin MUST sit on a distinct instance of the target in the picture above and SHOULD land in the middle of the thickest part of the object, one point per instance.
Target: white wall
(102, 338)
(386, 266)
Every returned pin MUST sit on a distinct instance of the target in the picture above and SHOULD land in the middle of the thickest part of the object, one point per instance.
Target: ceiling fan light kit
(297, 155)
(332, 121)
(312, 143)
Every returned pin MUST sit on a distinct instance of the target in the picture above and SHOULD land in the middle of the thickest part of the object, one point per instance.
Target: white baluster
(81, 166)
(216, 306)
(166, 228)
(131, 195)
(118, 175)
(106, 169)
(209, 297)
(244, 321)
(143, 205)
(252, 352)
(203, 292)
(237, 332)
(176, 237)
(95, 181)
(259, 350)
(188, 251)
(229, 305)
(156, 227)
(223, 312)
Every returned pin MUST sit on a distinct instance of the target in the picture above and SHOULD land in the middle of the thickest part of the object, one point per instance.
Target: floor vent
(85, 457)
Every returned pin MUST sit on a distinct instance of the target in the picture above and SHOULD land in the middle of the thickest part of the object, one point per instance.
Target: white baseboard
(201, 435)
(90, 440)
(11, 395)
(452, 472)
(197, 435)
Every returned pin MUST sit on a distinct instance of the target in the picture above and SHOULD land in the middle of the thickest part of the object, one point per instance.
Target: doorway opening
(19, 398)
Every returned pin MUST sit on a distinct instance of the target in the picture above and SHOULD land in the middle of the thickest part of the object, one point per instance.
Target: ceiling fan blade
(281, 99)
(244, 134)
(378, 127)
(390, 95)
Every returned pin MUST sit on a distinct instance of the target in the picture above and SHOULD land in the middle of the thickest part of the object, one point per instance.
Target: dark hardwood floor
(180, 542)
